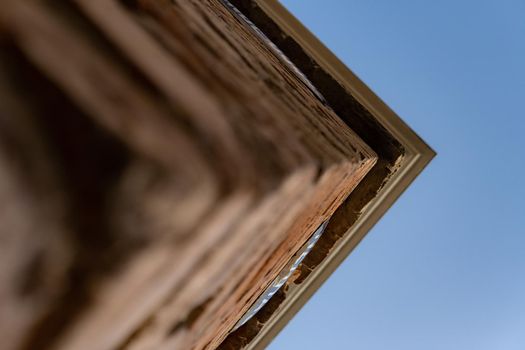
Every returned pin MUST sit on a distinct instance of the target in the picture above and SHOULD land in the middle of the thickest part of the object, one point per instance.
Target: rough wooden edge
(416, 156)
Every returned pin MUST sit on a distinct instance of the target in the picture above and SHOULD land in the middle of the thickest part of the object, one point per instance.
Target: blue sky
(445, 268)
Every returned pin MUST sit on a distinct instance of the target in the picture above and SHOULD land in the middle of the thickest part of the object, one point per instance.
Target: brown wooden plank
(227, 162)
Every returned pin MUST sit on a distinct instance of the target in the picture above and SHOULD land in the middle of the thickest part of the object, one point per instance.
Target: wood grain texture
(160, 164)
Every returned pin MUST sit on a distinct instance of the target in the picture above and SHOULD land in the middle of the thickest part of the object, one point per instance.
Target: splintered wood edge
(417, 156)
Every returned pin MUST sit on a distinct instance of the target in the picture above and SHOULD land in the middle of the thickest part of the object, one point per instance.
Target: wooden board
(160, 164)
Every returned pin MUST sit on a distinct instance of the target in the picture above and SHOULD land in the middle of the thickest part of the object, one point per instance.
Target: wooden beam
(177, 162)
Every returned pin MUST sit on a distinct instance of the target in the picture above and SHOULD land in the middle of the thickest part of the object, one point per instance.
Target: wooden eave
(164, 161)
(398, 143)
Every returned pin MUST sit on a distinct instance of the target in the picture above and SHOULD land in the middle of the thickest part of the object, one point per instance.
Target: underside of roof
(181, 174)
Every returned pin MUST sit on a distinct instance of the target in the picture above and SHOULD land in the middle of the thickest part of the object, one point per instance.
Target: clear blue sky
(445, 268)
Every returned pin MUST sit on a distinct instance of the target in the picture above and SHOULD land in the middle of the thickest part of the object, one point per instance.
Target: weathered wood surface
(159, 165)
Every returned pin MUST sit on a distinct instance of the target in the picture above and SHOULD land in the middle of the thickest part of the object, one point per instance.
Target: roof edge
(417, 156)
